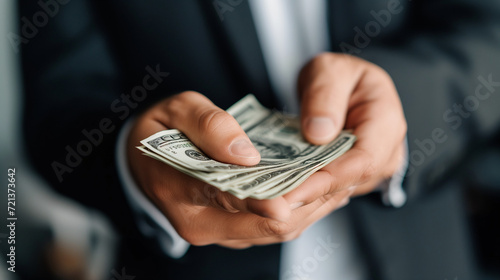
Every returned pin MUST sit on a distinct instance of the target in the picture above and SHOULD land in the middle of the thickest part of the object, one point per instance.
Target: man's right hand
(200, 213)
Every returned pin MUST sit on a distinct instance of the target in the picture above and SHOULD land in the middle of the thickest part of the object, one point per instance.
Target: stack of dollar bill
(287, 159)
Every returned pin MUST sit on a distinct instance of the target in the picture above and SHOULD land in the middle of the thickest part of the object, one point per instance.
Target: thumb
(210, 128)
(325, 85)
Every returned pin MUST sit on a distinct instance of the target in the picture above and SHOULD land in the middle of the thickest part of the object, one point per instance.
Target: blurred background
(55, 237)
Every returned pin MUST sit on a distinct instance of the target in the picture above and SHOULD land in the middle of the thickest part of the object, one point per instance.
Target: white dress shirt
(290, 33)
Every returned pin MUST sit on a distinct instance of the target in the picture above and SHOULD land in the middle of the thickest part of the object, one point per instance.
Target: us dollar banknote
(287, 159)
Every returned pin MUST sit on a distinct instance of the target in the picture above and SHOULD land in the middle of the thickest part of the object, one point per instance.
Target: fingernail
(320, 128)
(243, 148)
(296, 205)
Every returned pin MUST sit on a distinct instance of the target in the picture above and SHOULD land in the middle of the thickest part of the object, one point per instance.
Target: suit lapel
(233, 27)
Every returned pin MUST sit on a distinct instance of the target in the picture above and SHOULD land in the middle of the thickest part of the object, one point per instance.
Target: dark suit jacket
(79, 64)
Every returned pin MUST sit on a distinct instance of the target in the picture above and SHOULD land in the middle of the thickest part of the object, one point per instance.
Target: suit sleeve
(70, 85)
(445, 62)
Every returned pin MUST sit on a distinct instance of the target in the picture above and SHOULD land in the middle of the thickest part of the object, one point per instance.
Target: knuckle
(318, 60)
(175, 106)
(275, 228)
(344, 59)
(381, 73)
(325, 198)
(324, 61)
(188, 95)
(171, 104)
(322, 58)
(381, 76)
(190, 235)
(331, 186)
(159, 192)
(199, 197)
(293, 236)
(186, 233)
(212, 119)
(223, 201)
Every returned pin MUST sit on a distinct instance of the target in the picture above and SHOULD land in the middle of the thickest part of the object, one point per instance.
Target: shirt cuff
(392, 188)
(150, 220)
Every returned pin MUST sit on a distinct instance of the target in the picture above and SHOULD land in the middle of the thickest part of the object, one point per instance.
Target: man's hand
(200, 213)
(338, 92)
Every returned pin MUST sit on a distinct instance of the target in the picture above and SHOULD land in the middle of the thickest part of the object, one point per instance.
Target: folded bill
(287, 160)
